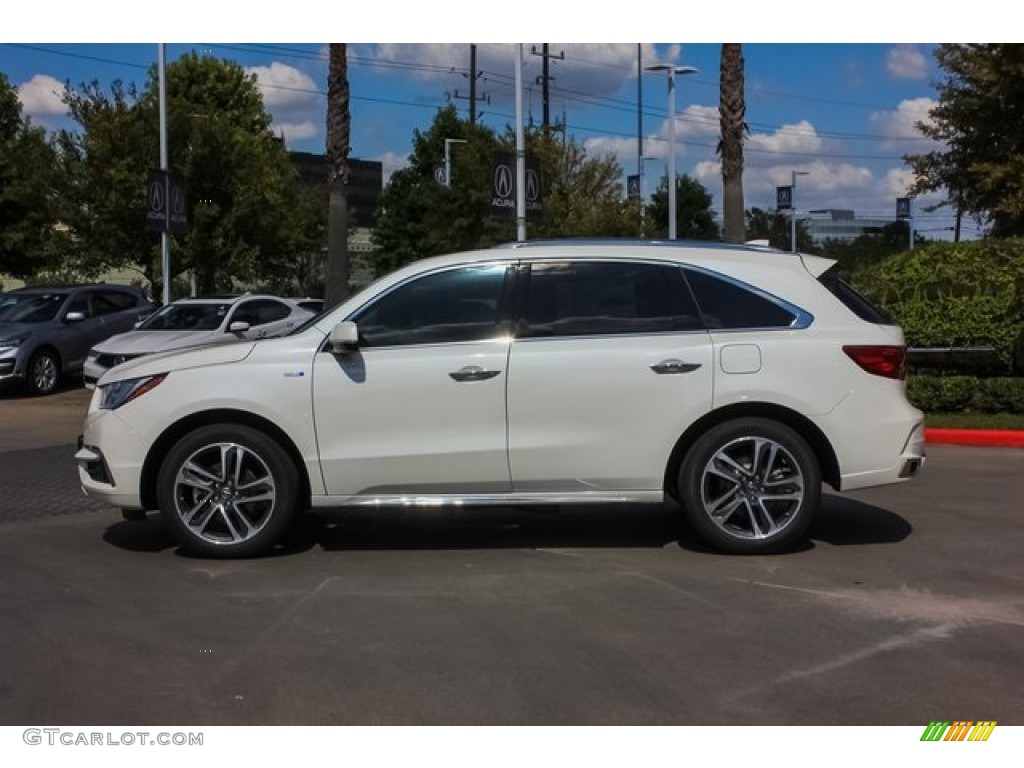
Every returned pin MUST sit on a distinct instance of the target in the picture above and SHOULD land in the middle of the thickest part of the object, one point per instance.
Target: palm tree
(732, 110)
(338, 132)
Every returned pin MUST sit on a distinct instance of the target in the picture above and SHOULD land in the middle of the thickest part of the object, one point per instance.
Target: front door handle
(473, 373)
(674, 365)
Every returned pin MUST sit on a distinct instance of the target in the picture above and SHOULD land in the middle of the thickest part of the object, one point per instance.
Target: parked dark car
(46, 331)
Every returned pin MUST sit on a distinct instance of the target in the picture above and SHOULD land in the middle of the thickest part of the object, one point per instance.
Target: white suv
(735, 379)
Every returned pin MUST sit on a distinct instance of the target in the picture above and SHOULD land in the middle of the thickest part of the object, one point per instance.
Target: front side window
(443, 308)
(728, 306)
(597, 298)
(261, 312)
(187, 317)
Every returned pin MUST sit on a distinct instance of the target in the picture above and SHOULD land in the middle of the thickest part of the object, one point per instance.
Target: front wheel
(750, 486)
(227, 491)
(43, 372)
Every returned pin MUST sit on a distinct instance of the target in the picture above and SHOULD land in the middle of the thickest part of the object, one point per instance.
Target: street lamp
(672, 71)
(792, 202)
(448, 159)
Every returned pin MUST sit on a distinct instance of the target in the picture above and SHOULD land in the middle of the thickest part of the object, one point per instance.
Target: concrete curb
(1001, 438)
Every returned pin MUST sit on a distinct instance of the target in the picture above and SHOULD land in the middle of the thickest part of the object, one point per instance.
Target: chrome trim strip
(490, 499)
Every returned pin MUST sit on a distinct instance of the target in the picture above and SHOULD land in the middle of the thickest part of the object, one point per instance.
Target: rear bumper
(907, 466)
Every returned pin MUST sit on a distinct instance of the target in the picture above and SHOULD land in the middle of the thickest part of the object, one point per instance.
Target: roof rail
(584, 241)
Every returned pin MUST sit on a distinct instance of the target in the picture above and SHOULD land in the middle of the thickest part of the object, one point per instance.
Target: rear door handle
(473, 373)
(674, 365)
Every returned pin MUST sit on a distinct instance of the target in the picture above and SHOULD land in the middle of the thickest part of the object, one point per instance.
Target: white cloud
(292, 131)
(391, 162)
(906, 62)
(898, 128)
(42, 95)
(589, 69)
(284, 86)
(798, 137)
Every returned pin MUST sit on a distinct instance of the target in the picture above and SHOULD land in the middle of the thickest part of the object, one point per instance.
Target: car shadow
(841, 522)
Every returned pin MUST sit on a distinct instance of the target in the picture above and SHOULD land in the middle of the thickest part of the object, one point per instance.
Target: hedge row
(955, 295)
(951, 394)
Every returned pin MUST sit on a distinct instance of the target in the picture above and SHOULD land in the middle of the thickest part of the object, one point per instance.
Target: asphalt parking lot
(907, 605)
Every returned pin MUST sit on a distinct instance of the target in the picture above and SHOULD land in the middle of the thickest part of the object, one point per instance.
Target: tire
(227, 490)
(750, 486)
(43, 375)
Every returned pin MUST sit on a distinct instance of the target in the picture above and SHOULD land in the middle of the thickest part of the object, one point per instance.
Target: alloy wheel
(224, 493)
(752, 488)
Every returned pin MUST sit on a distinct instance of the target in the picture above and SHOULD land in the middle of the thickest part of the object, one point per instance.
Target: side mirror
(74, 317)
(344, 337)
(238, 326)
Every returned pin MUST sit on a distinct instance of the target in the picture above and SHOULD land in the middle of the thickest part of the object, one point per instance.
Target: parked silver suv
(46, 332)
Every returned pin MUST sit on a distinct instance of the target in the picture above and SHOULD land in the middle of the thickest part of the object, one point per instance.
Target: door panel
(419, 408)
(395, 421)
(591, 414)
(610, 365)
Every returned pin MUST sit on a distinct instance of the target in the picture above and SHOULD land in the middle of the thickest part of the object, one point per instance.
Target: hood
(7, 330)
(193, 357)
(148, 342)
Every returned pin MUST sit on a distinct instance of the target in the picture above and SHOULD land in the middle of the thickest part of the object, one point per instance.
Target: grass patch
(975, 420)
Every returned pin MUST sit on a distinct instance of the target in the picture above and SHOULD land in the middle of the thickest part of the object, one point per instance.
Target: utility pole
(545, 81)
(473, 76)
(472, 83)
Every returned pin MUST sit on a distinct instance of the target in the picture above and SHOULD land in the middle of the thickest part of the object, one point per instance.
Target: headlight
(14, 341)
(120, 392)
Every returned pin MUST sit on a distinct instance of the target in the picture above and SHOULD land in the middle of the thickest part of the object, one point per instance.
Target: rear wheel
(43, 372)
(750, 486)
(227, 491)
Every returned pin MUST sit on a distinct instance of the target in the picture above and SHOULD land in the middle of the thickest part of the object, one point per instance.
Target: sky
(842, 112)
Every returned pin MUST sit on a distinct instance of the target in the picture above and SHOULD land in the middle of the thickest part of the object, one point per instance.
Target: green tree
(583, 195)
(418, 217)
(871, 247)
(27, 184)
(732, 110)
(248, 216)
(339, 128)
(694, 218)
(981, 162)
(777, 230)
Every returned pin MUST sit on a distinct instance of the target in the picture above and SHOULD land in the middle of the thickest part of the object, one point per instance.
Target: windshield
(187, 317)
(30, 307)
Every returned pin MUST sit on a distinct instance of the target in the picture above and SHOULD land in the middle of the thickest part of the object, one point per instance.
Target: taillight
(881, 360)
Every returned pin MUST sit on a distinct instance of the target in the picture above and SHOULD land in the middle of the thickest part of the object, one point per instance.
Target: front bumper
(11, 366)
(113, 475)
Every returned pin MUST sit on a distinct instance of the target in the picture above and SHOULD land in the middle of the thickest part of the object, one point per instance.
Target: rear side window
(854, 301)
(728, 306)
(597, 298)
(108, 302)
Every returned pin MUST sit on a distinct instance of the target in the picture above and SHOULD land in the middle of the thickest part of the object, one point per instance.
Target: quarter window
(598, 298)
(442, 308)
(726, 305)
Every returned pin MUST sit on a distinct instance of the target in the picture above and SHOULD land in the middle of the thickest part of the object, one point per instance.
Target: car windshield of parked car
(187, 317)
(30, 307)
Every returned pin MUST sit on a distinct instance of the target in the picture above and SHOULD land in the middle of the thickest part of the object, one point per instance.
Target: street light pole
(672, 72)
(165, 238)
(792, 201)
(448, 159)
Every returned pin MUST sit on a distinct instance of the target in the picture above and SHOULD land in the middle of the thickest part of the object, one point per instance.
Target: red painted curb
(1002, 438)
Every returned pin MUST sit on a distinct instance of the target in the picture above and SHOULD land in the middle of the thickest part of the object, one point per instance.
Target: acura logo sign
(532, 186)
(503, 181)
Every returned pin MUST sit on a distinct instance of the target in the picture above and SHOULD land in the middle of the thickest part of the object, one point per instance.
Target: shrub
(955, 295)
(950, 394)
